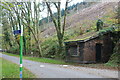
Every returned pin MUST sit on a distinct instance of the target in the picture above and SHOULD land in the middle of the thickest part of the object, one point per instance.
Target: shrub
(14, 50)
(49, 47)
(115, 57)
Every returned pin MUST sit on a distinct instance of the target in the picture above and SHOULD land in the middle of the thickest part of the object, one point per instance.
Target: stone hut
(89, 48)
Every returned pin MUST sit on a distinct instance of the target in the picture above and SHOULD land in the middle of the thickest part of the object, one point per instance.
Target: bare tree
(59, 26)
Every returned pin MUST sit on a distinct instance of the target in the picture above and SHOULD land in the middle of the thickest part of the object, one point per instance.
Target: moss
(85, 36)
(79, 39)
(101, 32)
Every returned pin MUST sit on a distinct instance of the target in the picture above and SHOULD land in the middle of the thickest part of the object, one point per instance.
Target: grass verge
(11, 70)
(44, 60)
(0, 68)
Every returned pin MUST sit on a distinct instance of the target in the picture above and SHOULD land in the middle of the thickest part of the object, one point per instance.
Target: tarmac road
(46, 70)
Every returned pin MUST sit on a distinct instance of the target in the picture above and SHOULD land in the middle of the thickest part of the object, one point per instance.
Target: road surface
(46, 70)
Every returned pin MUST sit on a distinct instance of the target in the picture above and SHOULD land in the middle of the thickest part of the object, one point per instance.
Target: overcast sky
(72, 2)
(44, 14)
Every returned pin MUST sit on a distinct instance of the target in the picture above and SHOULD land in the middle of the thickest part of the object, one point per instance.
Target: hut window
(73, 50)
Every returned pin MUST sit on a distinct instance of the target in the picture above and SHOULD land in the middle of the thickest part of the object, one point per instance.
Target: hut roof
(91, 35)
(84, 37)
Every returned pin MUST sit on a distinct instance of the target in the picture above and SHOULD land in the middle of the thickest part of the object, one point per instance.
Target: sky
(71, 3)
(44, 14)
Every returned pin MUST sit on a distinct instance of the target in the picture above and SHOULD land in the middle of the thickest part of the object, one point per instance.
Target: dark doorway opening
(98, 52)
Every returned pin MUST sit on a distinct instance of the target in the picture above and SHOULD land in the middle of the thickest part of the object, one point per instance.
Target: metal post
(21, 51)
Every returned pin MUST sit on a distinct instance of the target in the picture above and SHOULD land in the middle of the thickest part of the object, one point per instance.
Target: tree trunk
(39, 49)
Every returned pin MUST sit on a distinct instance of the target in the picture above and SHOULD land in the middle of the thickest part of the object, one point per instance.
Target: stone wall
(89, 51)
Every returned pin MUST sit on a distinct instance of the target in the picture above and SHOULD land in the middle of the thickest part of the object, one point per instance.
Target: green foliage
(109, 29)
(49, 47)
(69, 34)
(14, 50)
(93, 28)
(0, 68)
(88, 30)
(114, 60)
(99, 24)
(115, 57)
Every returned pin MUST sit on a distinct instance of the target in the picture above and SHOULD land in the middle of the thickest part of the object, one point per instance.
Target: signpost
(21, 47)
(21, 51)
(17, 32)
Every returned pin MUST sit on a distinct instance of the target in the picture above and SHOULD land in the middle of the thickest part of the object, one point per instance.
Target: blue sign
(17, 32)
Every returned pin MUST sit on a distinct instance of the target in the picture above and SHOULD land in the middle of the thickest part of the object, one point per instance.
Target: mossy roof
(90, 35)
(84, 37)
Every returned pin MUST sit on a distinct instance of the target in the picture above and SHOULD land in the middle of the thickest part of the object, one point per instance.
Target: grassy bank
(11, 70)
(44, 60)
(0, 68)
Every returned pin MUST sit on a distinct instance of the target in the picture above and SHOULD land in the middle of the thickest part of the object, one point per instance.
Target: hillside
(85, 19)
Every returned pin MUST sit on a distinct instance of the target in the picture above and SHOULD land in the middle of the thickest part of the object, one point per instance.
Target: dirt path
(45, 70)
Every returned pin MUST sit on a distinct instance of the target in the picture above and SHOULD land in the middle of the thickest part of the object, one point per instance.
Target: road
(46, 70)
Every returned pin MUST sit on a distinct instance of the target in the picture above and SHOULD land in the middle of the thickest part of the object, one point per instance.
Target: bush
(14, 50)
(49, 47)
(115, 57)
(88, 30)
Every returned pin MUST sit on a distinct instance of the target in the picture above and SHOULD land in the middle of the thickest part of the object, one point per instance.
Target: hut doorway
(98, 52)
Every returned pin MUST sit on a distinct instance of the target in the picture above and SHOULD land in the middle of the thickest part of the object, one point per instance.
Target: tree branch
(56, 5)
(59, 16)
(54, 21)
(63, 27)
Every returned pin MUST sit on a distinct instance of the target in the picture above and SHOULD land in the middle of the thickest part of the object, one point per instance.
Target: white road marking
(42, 66)
(65, 65)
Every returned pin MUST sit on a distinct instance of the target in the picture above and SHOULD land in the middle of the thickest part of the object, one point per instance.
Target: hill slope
(85, 19)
